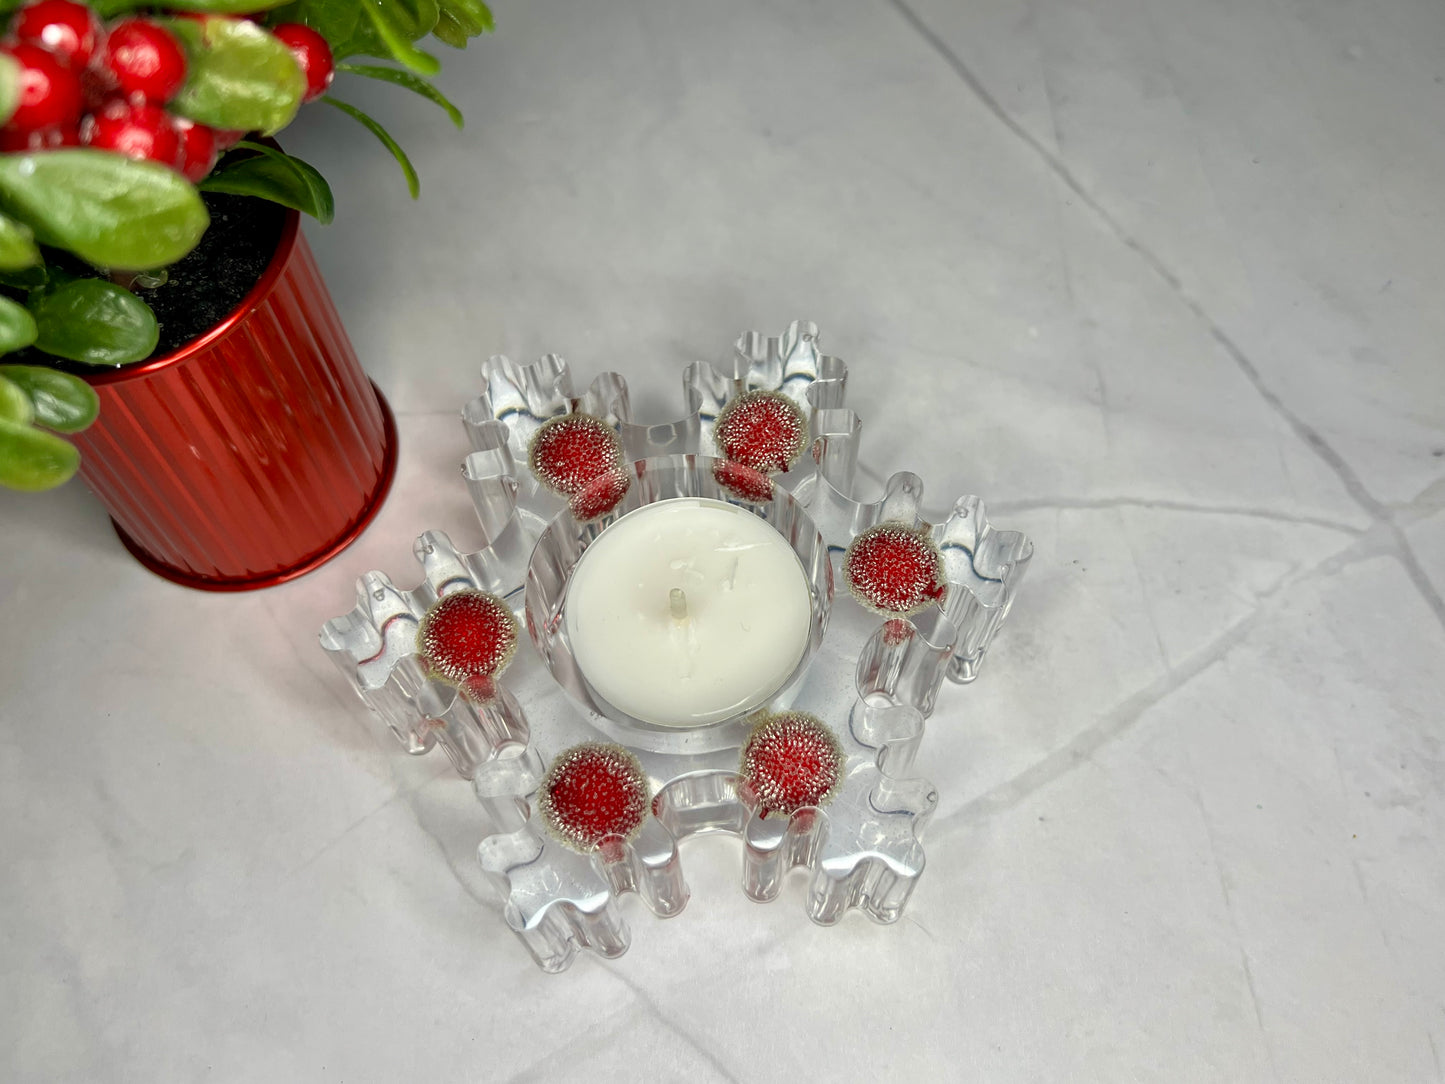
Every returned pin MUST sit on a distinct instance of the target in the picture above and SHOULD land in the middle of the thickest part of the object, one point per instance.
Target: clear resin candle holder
(869, 676)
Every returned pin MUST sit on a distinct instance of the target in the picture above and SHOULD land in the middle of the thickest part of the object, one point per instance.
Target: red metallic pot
(252, 455)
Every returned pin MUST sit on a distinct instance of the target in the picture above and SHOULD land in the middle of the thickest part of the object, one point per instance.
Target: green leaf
(107, 8)
(340, 22)
(275, 176)
(95, 322)
(17, 244)
(213, 7)
(472, 16)
(30, 278)
(450, 32)
(61, 402)
(398, 41)
(17, 326)
(9, 86)
(32, 460)
(241, 76)
(413, 83)
(14, 403)
(350, 29)
(109, 210)
(413, 183)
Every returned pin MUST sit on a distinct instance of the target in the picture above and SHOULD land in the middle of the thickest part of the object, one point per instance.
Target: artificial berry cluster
(85, 83)
(593, 795)
(580, 457)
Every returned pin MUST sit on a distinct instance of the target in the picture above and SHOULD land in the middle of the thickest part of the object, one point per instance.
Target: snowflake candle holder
(585, 801)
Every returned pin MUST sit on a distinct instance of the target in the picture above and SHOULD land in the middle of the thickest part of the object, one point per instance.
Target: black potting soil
(207, 284)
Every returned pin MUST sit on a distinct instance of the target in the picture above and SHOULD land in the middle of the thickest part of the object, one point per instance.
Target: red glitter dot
(740, 481)
(467, 635)
(892, 569)
(593, 792)
(601, 495)
(480, 689)
(569, 451)
(791, 760)
(897, 631)
(762, 430)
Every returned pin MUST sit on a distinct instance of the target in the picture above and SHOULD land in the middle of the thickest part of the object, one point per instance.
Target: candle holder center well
(562, 545)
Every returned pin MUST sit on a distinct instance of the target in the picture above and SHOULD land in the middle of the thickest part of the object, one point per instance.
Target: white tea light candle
(688, 611)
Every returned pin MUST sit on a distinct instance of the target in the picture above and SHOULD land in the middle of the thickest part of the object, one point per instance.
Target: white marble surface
(1160, 278)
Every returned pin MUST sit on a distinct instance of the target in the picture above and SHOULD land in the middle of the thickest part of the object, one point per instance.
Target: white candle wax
(688, 611)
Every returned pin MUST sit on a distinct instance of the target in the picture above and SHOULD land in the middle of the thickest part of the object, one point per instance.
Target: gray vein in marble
(1055, 164)
(335, 841)
(640, 992)
(303, 649)
(1122, 717)
(1089, 504)
(1311, 437)
(405, 796)
(1234, 927)
(488, 900)
(1336, 462)
(1369, 906)
(1128, 544)
(554, 1063)
(402, 791)
(1428, 501)
(908, 918)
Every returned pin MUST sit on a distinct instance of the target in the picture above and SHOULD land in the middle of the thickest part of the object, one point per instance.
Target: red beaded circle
(592, 792)
(601, 495)
(762, 430)
(571, 450)
(792, 760)
(467, 636)
(740, 481)
(895, 570)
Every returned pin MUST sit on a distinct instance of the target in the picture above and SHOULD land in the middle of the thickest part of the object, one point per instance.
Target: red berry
(226, 138)
(67, 29)
(50, 94)
(15, 140)
(312, 53)
(198, 148)
(137, 131)
(141, 60)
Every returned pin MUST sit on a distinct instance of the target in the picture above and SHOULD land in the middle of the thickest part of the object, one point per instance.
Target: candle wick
(677, 604)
